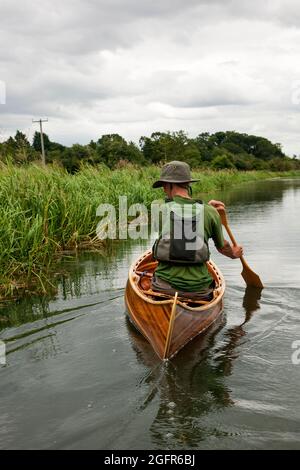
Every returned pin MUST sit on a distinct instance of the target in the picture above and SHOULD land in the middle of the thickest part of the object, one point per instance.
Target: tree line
(221, 150)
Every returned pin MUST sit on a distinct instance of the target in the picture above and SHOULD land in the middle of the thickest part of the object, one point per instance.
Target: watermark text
(296, 354)
(2, 353)
(2, 92)
(295, 96)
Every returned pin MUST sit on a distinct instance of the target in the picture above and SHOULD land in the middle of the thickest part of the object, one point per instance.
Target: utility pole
(42, 138)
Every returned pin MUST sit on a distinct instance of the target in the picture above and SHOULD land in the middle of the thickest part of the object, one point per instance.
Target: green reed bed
(44, 211)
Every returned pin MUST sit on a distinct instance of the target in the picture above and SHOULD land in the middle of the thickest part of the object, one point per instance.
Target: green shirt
(195, 277)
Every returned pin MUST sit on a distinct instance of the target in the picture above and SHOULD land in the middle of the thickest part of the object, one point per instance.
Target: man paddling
(182, 247)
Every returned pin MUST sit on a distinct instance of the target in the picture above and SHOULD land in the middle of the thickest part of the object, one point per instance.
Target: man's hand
(217, 204)
(231, 251)
(237, 251)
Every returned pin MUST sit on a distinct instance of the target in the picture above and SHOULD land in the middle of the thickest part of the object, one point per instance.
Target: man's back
(193, 277)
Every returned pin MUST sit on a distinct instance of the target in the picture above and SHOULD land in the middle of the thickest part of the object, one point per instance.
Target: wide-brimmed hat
(174, 172)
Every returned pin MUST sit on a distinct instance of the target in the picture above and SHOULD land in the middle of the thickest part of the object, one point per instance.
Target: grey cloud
(134, 66)
(84, 26)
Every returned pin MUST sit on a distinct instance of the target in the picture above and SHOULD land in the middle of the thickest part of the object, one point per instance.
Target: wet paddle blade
(251, 278)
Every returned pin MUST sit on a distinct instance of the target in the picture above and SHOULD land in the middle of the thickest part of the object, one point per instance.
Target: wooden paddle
(250, 277)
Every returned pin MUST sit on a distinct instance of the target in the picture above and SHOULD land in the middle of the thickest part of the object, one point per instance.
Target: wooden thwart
(168, 296)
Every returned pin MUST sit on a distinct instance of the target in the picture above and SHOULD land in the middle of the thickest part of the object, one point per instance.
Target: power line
(42, 138)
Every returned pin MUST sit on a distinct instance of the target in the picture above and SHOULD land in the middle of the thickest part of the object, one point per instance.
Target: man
(182, 266)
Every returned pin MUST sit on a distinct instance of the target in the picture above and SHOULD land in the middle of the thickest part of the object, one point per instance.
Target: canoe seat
(144, 273)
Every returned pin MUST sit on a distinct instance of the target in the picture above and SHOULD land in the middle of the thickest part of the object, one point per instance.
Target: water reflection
(251, 301)
(254, 193)
(83, 279)
(193, 384)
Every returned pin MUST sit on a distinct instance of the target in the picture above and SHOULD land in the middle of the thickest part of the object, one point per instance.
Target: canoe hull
(152, 317)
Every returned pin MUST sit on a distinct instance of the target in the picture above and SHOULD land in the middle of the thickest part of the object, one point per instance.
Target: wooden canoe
(168, 322)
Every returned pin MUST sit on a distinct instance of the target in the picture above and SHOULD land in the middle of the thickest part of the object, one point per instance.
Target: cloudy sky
(137, 66)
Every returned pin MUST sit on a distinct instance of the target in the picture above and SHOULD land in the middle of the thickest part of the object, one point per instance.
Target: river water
(79, 377)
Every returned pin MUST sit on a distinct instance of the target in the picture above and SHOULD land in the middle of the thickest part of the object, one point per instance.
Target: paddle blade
(251, 278)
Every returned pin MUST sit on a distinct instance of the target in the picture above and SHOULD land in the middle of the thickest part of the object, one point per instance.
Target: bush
(280, 164)
(222, 162)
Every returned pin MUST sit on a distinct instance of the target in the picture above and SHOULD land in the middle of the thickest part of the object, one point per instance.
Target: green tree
(112, 148)
(166, 146)
(37, 142)
(205, 146)
(18, 149)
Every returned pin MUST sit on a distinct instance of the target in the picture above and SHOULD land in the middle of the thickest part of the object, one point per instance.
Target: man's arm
(232, 252)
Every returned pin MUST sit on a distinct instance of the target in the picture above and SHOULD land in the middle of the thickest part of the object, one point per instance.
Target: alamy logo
(136, 222)
(2, 353)
(295, 92)
(2, 92)
(296, 354)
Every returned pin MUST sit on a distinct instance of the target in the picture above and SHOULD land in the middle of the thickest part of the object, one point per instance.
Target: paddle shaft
(228, 230)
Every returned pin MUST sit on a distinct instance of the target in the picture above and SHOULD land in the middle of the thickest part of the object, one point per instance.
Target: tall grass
(46, 210)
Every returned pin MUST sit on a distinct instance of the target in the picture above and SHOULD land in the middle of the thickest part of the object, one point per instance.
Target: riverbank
(45, 211)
